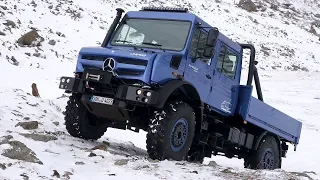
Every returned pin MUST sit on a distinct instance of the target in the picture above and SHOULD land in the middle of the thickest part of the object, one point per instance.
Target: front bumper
(121, 96)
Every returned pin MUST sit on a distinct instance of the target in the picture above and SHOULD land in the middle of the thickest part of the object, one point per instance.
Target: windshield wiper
(124, 41)
(129, 43)
(152, 44)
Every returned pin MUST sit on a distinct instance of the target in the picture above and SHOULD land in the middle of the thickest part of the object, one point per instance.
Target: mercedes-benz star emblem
(109, 65)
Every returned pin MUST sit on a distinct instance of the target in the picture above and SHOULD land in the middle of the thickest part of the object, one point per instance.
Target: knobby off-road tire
(267, 155)
(80, 122)
(171, 131)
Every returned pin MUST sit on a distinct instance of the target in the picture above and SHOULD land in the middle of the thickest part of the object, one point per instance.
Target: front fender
(168, 88)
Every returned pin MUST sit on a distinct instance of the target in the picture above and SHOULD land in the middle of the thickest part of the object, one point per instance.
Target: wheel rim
(268, 159)
(179, 134)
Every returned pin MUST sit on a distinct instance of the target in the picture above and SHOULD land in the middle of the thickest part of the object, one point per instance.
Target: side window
(227, 62)
(198, 44)
(194, 43)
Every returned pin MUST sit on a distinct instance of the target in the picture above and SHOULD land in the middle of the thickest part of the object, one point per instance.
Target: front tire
(171, 131)
(80, 122)
(267, 155)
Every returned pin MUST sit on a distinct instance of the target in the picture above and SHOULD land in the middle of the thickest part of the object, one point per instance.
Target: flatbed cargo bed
(273, 120)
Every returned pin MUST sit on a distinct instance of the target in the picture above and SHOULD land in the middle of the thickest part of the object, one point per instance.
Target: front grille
(126, 72)
(122, 60)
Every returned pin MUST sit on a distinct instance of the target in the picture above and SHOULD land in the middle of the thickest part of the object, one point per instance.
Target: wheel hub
(268, 159)
(179, 134)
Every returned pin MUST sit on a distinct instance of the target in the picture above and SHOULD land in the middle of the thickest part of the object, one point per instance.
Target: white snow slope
(287, 52)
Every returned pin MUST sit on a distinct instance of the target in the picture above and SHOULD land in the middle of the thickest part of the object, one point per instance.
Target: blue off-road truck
(171, 74)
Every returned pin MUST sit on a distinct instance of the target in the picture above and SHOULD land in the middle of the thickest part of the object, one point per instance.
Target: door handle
(208, 76)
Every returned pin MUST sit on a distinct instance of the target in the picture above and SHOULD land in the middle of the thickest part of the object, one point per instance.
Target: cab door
(224, 78)
(198, 70)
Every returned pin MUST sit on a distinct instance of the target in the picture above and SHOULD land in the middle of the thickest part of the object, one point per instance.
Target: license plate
(102, 100)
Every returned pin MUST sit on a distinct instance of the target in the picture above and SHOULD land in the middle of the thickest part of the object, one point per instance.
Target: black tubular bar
(253, 72)
(112, 27)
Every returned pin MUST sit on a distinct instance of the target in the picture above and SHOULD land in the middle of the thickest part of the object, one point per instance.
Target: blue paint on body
(223, 94)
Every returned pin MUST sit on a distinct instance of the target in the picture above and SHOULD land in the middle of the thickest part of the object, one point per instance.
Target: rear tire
(80, 122)
(171, 131)
(267, 155)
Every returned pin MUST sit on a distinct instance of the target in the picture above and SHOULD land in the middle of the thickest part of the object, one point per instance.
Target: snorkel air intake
(113, 26)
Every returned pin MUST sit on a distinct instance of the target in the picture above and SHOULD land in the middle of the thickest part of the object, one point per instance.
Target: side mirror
(212, 37)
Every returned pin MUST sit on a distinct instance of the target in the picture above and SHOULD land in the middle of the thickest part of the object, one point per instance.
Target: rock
(5, 139)
(25, 177)
(2, 166)
(34, 4)
(181, 163)
(265, 50)
(60, 34)
(313, 30)
(13, 61)
(32, 38)
(2, 33)
(67, 174)
(213, 164)
(56, 174)
(36, 54)
(79, 163)
(52, 42)
(153, 161)
(316, 23)
(10, 23)
(40, 137)
(27, 53)
(20, 151)
(141, 167)
(274, 7)
(226, 171)
(121, 162)
(317, 15)
(55, 123)
(102, 147)
(4, 7)
(28, 125)
(266, 53)
(92, 154)
(253, 20)
(286, 5)
(247, 5)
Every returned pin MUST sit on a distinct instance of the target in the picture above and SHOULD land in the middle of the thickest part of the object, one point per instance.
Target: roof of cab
(161, 15)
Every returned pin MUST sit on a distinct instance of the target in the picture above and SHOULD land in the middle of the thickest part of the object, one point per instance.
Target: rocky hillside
(40, 41)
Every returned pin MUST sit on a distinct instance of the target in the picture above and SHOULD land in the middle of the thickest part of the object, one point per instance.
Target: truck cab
(168, 72)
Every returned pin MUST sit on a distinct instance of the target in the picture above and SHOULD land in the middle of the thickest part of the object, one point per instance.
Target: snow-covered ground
(289, 63)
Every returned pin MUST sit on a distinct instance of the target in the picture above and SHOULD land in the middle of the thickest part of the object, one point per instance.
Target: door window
(198, 44)
(227, 62)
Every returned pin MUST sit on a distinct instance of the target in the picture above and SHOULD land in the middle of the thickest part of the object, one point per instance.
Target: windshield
(151, 33)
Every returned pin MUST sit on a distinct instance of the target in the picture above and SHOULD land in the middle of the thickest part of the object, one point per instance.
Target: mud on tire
(171, 132)
(80, 122)
(267, 155)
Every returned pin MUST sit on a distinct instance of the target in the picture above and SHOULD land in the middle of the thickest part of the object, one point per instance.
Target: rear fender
(266, 133)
